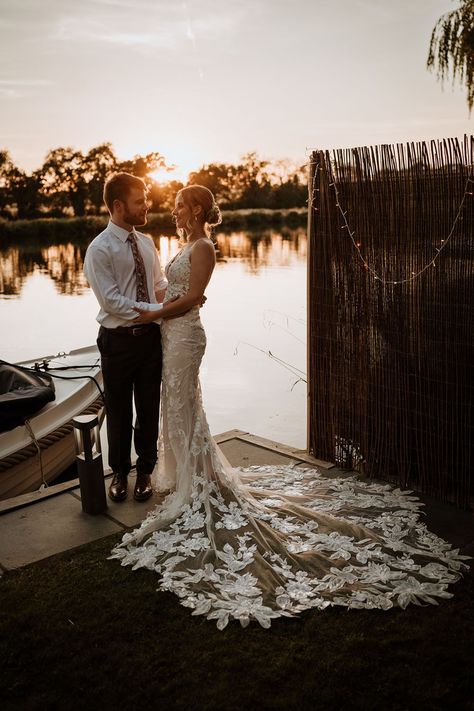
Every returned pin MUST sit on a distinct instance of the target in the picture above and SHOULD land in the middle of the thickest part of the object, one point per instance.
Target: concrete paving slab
(129, 513)
(46, 528)
(269, 444)
(244, 454)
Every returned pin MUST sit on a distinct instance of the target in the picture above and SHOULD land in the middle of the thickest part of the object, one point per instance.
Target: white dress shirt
(109, 268)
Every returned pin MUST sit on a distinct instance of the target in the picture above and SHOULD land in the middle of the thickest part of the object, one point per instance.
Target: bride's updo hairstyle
(210, 214)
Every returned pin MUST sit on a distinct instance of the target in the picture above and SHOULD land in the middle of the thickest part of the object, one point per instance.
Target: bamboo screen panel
(390, 365)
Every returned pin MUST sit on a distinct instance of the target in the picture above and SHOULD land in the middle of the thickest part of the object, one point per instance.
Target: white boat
(35, 453)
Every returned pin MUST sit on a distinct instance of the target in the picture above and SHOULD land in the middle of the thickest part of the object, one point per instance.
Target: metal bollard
(89, 463)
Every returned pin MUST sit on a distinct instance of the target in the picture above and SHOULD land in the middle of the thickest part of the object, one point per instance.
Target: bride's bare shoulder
(203, 249)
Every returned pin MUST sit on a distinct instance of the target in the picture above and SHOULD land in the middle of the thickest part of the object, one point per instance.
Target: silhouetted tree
(64, 181)
(19, 192)
(99, 163)
(5, 167)
(252, 186)
(25, 192)
(289, 193)
(220, 178)
(452, 47)
(143, 166)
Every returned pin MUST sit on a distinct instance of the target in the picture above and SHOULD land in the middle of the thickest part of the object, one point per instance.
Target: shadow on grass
(78, 631)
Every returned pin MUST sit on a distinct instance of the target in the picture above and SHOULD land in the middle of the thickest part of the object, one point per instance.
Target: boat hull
(30, 473)
(38, 453)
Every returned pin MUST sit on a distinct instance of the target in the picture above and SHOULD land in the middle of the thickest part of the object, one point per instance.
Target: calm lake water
(256, 302)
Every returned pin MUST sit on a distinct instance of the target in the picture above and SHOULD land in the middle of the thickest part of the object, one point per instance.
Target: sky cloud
(71, 29)
(25, 82)
(133, 4)
(21, 88)
(167, 26)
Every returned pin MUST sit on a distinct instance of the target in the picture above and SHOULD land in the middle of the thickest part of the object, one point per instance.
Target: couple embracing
(135, 342)
(256, 544)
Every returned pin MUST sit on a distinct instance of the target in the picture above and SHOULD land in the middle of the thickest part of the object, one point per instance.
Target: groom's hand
(145, 316)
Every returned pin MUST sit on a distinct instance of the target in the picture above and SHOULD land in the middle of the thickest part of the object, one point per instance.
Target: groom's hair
(118, 186)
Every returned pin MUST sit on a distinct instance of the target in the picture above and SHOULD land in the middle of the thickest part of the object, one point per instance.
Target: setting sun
(175, 172)
(179, 158)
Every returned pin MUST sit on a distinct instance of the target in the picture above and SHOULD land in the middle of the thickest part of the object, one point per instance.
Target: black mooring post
(89, 463)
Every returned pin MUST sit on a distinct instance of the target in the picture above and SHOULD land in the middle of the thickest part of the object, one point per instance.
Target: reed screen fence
(390, 317)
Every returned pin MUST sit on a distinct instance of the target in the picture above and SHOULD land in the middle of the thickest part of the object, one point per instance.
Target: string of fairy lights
(468, 191)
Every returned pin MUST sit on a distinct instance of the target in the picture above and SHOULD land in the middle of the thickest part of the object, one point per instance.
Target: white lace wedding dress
(267, 542)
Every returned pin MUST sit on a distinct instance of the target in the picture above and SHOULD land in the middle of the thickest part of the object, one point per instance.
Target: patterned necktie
(142, 288)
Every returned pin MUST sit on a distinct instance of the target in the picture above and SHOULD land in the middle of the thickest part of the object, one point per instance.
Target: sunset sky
(208, 80)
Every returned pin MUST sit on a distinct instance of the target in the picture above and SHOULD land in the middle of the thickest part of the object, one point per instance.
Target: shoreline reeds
(78, 228)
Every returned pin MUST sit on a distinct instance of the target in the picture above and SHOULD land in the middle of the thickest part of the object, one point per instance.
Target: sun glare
(180, 172)
(178, 157)
(181, 163)
(163, 176)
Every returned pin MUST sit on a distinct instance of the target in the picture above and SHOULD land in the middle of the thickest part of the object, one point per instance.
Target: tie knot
(131, 237)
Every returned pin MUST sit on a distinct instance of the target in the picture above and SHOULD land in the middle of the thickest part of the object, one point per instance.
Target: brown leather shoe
(118, 487)
(143, 489)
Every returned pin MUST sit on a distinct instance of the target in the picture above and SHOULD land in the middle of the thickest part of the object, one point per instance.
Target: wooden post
(308, 297)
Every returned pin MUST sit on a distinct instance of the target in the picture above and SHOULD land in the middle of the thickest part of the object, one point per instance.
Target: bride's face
(182, 214)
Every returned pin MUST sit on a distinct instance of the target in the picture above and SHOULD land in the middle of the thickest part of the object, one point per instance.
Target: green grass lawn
(80, 632)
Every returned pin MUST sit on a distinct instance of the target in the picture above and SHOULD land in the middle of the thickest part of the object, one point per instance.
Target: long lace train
(268, 542)
(289, 539)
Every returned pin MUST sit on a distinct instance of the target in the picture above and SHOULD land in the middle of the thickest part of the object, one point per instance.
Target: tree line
(70, 183)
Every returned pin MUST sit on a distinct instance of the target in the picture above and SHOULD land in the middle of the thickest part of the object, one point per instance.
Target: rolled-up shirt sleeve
(99, 273)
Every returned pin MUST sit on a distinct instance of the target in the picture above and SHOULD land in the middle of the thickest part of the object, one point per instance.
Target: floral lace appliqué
(270, 541)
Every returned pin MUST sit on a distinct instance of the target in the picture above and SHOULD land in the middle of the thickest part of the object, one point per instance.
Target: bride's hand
(145, 316)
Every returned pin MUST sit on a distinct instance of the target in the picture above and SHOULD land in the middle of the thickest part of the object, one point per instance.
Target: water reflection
(64, 266)
(12, 272)
(63, 263)
(256, 305)
(265, 249)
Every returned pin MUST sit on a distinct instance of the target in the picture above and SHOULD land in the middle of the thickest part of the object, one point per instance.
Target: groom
(123, 268)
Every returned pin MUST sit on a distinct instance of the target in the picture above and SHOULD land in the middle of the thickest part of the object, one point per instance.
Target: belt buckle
(136, 330)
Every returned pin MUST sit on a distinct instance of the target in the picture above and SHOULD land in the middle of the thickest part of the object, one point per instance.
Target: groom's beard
(135, 219)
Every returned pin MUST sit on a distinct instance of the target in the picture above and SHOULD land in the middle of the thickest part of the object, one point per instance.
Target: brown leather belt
(133, 330)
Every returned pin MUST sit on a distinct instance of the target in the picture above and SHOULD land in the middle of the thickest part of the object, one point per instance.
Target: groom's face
(135, 207)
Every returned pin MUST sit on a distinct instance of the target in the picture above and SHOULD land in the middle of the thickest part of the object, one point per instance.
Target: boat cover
(22, 394)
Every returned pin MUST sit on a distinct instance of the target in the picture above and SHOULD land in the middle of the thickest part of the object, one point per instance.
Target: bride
(264, 542)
